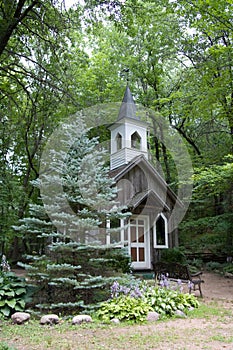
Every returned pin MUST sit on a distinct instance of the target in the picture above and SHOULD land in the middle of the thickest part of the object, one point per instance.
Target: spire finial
(128, 107)
(125, 73)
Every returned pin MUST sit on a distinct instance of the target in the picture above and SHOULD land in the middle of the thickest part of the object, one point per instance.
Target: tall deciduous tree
(35, 93)
(208, 49)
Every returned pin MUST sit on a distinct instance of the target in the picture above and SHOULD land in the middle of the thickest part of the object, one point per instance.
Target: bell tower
(128, 134)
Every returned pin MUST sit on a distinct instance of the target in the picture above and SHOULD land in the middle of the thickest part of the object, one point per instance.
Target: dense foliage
(14, 293)
(55, 60)
(75, 277)
(71, 264)
(132, 303)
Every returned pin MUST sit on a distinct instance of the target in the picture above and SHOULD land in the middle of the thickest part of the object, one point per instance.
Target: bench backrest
(171, 270)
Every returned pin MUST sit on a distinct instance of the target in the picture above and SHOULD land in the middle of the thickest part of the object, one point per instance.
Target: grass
(209, 310)
(207, 325)
(4, 346)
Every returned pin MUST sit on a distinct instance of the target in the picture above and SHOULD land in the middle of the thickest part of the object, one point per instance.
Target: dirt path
(214, 287)
(217, 286)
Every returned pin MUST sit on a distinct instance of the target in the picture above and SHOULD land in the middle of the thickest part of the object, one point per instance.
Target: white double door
(139, 242)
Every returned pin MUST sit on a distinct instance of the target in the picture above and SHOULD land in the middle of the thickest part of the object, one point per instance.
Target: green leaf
(11, 303)
(18, 308)
(5, 311)
(20, 291)
(10, 293)
(18, 284)
(21, 302)
(2, 303)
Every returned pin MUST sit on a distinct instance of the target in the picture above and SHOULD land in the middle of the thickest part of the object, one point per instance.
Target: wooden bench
(177, 272)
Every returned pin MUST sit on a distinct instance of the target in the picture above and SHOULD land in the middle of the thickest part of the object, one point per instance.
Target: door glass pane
(133, 234)
(141, 254)
(141, 234)
(134, 254)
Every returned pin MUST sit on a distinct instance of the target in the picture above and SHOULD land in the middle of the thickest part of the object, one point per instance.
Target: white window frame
(166, 232)
(118, 139)
(136, 141)
(122, 232)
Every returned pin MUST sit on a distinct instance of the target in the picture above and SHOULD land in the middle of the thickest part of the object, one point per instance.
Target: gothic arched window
(160, 232)
(136, 140)
(118, 141)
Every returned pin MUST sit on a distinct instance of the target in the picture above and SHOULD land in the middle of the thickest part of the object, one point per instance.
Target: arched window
(118, 141)
(160, 232)
(136, 140)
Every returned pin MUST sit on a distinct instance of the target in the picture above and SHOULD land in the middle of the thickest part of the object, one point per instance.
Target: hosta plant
(13, 294)
(166, 301)
(134, 302)
(125, 308)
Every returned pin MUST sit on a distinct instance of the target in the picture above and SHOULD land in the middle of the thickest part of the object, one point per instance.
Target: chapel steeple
(128, 134)
(128, 107)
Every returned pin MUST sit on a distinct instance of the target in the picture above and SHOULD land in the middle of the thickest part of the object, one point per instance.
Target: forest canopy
(56, 60)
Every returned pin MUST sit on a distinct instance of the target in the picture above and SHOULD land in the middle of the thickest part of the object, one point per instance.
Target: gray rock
(180, 314)
(20, 317)
(49, 319)
(152, 316)
(81, 319)
(191, 308)
(115, 320)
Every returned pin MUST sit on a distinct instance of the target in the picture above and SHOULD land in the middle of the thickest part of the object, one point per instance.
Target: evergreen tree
(74, 265)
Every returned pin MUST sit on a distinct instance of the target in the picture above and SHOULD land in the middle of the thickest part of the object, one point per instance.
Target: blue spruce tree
(71, 264)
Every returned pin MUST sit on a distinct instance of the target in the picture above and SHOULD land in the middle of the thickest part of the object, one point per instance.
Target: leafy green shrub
(213, 266)
(195, 265)
(13, 293)
(125, 308)
(228, 268)
(134, 302)
(173, 255)
(167, 301)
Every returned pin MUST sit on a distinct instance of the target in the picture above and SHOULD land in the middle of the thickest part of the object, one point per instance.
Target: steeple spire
(128, 134)
(128, 107)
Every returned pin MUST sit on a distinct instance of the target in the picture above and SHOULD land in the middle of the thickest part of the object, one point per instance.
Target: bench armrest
(196, 274)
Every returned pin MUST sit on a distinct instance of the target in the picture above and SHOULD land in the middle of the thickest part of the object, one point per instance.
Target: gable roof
(141, 196)
(141, 161)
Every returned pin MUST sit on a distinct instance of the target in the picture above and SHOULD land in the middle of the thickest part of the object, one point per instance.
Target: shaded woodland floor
(212, 330)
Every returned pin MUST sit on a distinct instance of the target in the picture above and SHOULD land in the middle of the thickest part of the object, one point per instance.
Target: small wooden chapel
(141, 189)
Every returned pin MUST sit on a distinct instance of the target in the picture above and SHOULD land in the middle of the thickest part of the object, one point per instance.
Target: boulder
(81, 319)
(115, 320)
(20, 317)
(49, 319)
(180, 314)
(152, 316)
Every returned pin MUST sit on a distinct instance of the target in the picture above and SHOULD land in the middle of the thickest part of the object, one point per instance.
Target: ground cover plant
(14, 293)
(132, 303)
(214, 315)
(169, 333)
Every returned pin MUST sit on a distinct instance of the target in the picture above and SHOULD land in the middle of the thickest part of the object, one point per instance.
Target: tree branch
(14, 21)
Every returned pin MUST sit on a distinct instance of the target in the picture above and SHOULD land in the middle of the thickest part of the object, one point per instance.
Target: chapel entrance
(139, 242)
